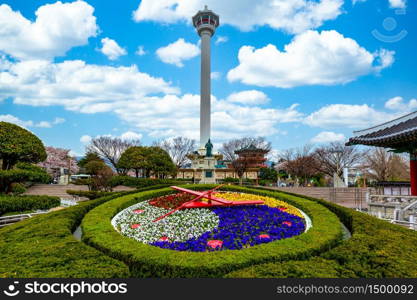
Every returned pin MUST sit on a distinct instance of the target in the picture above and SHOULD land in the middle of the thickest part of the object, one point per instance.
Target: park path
(59, 190)
(349, 197)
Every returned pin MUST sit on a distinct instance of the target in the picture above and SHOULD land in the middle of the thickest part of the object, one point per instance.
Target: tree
(334, 157)
(268, 174)
(90, 156)
(148, 161)
(134, 158)
(110, 149)
(299, 162)
(178, 148)
(101, 175)
(382, 165)
(19, 145)
(59, 158)
(239, 164)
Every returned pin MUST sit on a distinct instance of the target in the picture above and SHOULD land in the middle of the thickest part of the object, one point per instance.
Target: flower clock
(211, 228)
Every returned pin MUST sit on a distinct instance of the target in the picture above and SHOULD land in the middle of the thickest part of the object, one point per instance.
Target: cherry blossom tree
(59, 158)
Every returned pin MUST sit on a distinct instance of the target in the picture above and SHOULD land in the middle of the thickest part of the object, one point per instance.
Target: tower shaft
(205, 88)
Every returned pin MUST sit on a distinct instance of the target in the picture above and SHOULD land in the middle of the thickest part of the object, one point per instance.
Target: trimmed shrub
(377, 249)
(149, 261)
(26, 203)
(8, 177)
(43, 247)
(315, 267)
(17, 189)
(88, 194)
(140, 182)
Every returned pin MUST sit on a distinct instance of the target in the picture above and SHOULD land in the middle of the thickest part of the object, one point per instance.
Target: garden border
(149, 261)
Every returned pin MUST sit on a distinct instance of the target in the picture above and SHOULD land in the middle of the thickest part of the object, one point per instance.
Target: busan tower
(206, 22)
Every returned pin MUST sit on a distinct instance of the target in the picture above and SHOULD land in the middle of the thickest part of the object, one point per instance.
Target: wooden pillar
(413, 173)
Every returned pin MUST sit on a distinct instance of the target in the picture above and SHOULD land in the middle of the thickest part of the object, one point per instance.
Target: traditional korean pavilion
(255, 157)
(400, 135)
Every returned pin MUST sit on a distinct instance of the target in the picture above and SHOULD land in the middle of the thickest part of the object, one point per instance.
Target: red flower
(163, 239)
(264, 236)
(134, 226)
(138, 211)
(215, 243)
(287, 223)
(282, 208)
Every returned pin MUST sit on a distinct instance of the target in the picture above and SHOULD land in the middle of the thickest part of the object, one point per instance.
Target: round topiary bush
(149, 261)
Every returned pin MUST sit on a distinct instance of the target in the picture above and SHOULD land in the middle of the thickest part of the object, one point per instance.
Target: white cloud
(130, 135)
(57, 28)
(59, 121)
(397, 103)
(250, 97)
(397, 3)
(215, 75)
(29, 123)
(312, 58)
(175, 53)
(221, 39)
(328, 137)
(291, 16)
(345, 115)
(76, 85)
(85, 139)
(392, 3)
(170, 115)
(111, 49)
(140, 51)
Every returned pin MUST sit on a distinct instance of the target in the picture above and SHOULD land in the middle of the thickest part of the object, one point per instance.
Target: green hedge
(44, 246)
(377, 249)
(25, 203)
(149, 261)
(140, 182)
(97, 194)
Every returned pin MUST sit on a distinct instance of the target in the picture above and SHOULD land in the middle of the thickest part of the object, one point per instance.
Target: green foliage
(377, 249)
(17, 189)
(140, 182)
(236, 180)
(8, 177)
(44, 247)
(149, 160)
(315, 267)
(88, 194)
(268, 174)
(24, 203)
(18, 144)
(149, 261)
(266, 182)
(135, 158)
(98, 194)
(90, 156)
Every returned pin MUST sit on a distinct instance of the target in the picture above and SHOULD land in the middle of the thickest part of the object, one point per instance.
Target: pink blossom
(264, 236)
(215, 243)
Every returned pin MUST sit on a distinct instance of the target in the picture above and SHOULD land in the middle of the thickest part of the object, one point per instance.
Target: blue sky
(296, 72)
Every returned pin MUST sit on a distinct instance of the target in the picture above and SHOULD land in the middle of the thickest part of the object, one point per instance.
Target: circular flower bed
(209, 229)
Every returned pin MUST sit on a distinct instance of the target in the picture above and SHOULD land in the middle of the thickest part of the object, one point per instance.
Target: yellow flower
(271, 202)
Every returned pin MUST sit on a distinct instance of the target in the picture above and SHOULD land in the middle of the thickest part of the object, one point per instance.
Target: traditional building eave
(398, 133)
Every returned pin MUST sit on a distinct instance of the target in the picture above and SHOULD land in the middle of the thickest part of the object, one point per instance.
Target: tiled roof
(398, 133)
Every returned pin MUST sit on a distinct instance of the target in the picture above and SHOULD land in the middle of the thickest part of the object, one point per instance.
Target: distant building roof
(398, 133)
(250, 148)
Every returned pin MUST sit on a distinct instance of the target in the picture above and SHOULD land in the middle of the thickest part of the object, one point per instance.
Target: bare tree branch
(110, 149)
(334, 157)
(178, 148)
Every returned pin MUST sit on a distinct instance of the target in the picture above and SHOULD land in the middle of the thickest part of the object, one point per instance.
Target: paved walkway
(60, 190)
(348, 197)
